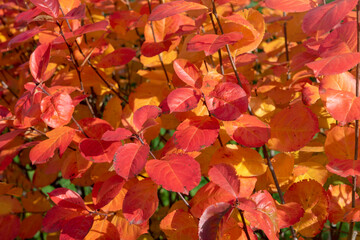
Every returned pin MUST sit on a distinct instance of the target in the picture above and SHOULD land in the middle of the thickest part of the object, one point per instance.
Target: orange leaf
(312, 197)
(172, 8)
(247, 162)
(292, 128)
(179, 225)
(58, 138)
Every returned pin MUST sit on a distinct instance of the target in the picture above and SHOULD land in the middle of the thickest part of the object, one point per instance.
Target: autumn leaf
(67, 198)
(179, 223)
(140, 202)
(172, 8)
(187, 72)
(292, 128)
(210, 43)
(323, 18)
(196, 133)
(227, 101)
(130, 159)
(183, 99)
(248, 130)
(210, 220)
(58, 138)
(224, 175)
(51, 7)
(292, 5)
(312, 197)
(57, 110)
(175, 172)
(39, 61)
(118, 57)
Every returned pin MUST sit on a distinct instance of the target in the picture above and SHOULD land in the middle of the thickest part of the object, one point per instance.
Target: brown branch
(244, 225)
(160, 57)
(356, 152)
(219, 51)
(91, 65)
(75, 63)
(266, 155)
(288, 76)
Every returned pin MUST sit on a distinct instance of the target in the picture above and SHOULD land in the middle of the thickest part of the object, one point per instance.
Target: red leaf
(207, 196)
(117, 135)
(9, 136)
(67, 198)
(104, 192)
(51, 7)
(172, 8)
(196, 133)
(77, 228)
(56, 217)
(248, 131)
(289, 213)
(57, 110)
(150, 49)
(224, 175)
(264, 217)
(120, 56)
(76, 13)
(97, 150)
(39, 61)
(175, 172)
(9, 226)
(93, 27)
(140, 202)
(58, 138)
(188, 72)
(210, 220)
(322, 19)
(183, 99)
(341, 40)
(335, 64)
(338, 94)
(292, 128)
(210, 43)
(130, 159)
(24, 36)
(292, 5)
(227, 101)
(144, 115)
(344, 167)
(94, 127)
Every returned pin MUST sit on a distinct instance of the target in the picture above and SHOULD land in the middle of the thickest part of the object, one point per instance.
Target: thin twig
(93, 67)
(356, 152)
(244, 225)
(75, 63)
(219, 51)
(271, 168)
(160, 58)
(227, 45)
(288, 76)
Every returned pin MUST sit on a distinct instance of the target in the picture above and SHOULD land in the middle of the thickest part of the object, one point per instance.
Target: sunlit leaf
(175, 172)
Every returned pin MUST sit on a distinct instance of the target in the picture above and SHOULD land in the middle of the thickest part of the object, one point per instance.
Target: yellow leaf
(246, 161)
